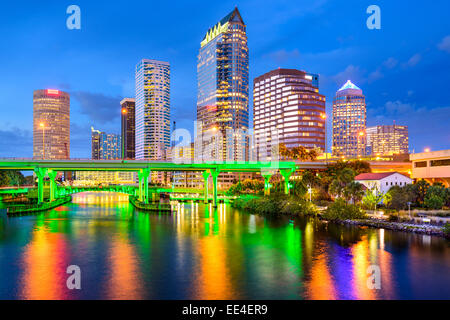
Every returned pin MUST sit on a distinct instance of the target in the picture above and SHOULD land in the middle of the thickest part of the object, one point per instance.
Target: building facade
(222, 96)
(51, 125)
(128, 128)
(152, 136)
(349, 122)
(387, 140)
(105, 146)
(433, 166)
(381, 182)
(289, 109)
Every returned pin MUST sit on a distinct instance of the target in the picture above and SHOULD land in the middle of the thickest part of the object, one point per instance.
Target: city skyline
(101, 97)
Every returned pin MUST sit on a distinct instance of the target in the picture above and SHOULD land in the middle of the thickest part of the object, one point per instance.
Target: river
(201, 253)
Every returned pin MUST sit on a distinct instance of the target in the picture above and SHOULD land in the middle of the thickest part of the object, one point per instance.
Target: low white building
(383, 181)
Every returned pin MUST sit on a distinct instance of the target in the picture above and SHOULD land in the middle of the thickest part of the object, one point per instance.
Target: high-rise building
(51, 125)
(387, 140)
(106, 146)
(222, 96)
(289, 109)
(152, 109)
(95, 143)
(349, 122)
(128, 128)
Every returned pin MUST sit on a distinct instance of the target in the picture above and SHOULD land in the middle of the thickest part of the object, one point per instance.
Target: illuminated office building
(105, 146)
(289, 109)
(128, 128)
(152, 109)
(222, 96)
(387, 140)
(349, 122)
(51, 125)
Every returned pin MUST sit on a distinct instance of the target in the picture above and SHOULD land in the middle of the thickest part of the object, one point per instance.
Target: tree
(399, 198)
(435, 197)
(372, 198)
(354, 191)
(421, 189)
(341, 180)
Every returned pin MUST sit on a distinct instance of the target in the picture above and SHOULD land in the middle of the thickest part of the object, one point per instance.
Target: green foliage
(11, 178)
(353, 191)
(399, 198)
(447, 229)
(247, 186)
(433, 201)
(372, 198)
(275, 205)
(341, 179)
(340, 210)
(300, 153)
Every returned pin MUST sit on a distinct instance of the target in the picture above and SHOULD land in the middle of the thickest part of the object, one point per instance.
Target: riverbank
(337, 212)
(396, 226)
(36, 208)
(154, 207)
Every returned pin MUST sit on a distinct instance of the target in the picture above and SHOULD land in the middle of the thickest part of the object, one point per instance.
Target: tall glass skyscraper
(51, 125)
(387, 140)
(152, 109)
(222, 97)
(349, 122)
(105, 146)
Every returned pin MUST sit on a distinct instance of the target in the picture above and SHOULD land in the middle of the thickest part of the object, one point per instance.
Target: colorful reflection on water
(202, 253)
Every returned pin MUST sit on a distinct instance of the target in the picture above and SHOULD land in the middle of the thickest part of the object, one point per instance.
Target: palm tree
(354, 191)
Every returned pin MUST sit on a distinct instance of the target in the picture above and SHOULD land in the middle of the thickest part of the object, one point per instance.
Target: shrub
(447, 229)
(339, 210)
(434, 201)
(393, 218)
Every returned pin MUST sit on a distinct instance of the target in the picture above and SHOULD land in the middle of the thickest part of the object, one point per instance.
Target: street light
(42, 125)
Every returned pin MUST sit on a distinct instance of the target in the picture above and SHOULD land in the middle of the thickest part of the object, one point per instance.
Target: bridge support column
(287, 173)
(267, 175)
(40, 174)
(143, 185)
(215, 174)
(52, 175)
(206, 175)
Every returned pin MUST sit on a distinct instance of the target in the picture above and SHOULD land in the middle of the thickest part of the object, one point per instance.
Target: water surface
(201, 253)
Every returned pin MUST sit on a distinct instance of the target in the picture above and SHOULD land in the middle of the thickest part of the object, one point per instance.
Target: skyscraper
(51, 125)
(106, 146)
(152, 109)
(222, 96)
(387, 140)
(289, 109)
(349, 122)
(128, 128)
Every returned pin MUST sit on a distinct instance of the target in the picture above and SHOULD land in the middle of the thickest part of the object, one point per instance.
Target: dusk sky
(403, 69)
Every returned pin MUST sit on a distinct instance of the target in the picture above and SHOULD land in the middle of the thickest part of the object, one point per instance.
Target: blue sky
(403, 68)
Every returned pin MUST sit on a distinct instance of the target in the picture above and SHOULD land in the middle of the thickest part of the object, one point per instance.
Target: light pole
(42, 125)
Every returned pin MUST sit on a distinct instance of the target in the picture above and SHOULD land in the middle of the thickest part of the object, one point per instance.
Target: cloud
(390, 63)
(413, 61)
(398, 107)
(97, 106)
(444, 45)
(377, 74)
(282, 55)
(15, 142)
(353, 73)
(424, 124)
